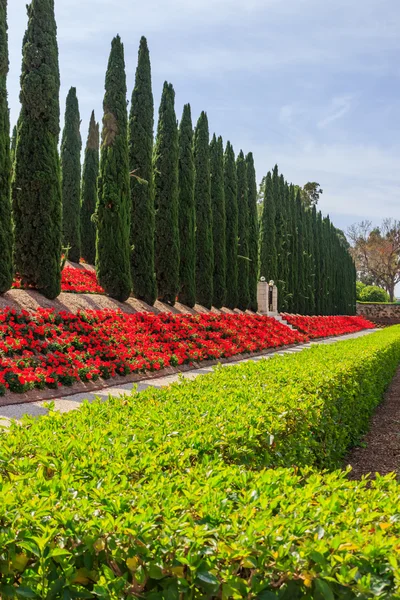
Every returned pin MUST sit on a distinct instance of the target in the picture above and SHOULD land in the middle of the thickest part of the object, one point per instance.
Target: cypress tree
(6, 238)
(231, 208)
(292, 248)
(268, 249)
(89, 192)
(71, 147)
(204, 234)
(253, 231)
(301, 275)
(13, 144)
(166, 156)
(141, 125)
(243, 230)
(219, 220)
(113, 207)
(36, 182)
(187, 211)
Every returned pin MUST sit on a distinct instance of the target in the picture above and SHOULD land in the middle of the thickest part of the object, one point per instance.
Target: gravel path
(72, 402)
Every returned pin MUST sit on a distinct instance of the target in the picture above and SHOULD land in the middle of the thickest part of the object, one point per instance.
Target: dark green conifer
(187, 211)
(6, 238)
(219, 220)
(89, 192)
(37, 207)
(166, 156)
(231, 208)
(13, 144)
(113, 207)
(141, 126)
(253, 231)
(243, 231)
(268, 246)
(71, 147)
(204, 235)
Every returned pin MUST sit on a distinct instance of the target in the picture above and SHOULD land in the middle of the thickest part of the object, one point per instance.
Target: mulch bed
(381, 453)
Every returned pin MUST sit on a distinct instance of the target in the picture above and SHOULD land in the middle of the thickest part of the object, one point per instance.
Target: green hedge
(164, 495)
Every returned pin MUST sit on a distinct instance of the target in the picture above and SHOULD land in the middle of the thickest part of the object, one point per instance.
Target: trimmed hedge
(163, 495)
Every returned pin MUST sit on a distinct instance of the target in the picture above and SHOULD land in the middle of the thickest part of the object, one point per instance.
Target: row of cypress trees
(301, 251)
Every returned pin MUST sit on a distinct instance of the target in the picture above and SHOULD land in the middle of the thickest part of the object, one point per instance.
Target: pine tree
(268, 247)
(36, 192)
(231, 208)
(243, 230)
(6, 237)
(141, 126)
(113, 207)
(166, 157)
(89, 192)
(253, 231)
(187, 211)
(204, 235)
(71, 147)
(219, 220)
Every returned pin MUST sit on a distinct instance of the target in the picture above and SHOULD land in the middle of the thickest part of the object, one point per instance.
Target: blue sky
(312, 85)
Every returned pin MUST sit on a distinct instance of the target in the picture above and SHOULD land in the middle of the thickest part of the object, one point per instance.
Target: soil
(380, 449)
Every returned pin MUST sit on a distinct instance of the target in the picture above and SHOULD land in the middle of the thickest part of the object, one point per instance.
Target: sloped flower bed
(317, 327)
(49, 349)
(79, 281)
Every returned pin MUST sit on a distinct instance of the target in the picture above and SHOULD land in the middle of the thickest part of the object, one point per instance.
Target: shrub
(359, 288)
(373, 293)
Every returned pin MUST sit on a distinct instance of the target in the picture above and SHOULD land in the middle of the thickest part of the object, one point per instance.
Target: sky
(312, 85)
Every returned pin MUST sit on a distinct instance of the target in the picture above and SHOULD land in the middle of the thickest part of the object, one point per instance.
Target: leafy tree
(373, 293)
(89, 192)
(253, 231)
(166, 157)
(6, 237)
(219, 220)
(310, 193)
(204, 234)
(113, 210)
(187, 211)
(243, 229)
(71, 147)
(231, 208)
(268, 250)
(36, 181)
(141, 125)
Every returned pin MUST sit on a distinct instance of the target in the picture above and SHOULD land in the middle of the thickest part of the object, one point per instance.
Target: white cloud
(339, 107)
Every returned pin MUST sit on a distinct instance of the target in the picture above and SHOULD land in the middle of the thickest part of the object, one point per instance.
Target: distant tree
(113, 210)
(89, 192)
(253, 231)
(310, 193)
(37, 206)
(243, 230)
(373, 293)
(219, 220)
(166, 157)
(71, 147)
(231, 208)
(141, 126)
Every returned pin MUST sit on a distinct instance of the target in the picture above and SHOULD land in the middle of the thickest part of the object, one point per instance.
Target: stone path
(37, 409)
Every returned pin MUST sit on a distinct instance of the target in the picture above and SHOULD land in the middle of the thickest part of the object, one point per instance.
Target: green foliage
(359, 288)
(373, 293)
(89, 192)
(36, 189)
(166, 158)
(113, 210)
(118, 488)
(6, 236)
(71, 147)
(204, 231)
(243, 233)
(141, 126)
(268, 253)
(231, 208)
(187, 211)
(219, 220)
(253, 231)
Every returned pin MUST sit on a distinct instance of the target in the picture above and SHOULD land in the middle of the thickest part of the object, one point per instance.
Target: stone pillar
(262, 297)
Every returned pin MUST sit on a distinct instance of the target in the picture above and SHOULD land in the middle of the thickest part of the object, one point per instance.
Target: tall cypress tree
(141, 125)
(253, 231)
(89, 192)
(231, 208)
(71, 147)
(166, 156)
(204, 235)
(36, 184)
(301, 274)
(219, 220)
(268, 248)
(243, 231)
(113, 208)
(6, 237)
(187, 211)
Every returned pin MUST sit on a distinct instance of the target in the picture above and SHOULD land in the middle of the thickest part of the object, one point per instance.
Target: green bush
(373, 293)
(164, 495)
(360, 286)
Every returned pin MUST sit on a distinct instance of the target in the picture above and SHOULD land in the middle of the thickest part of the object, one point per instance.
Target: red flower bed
(49, 349)
(316, 327)
(79, 281)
